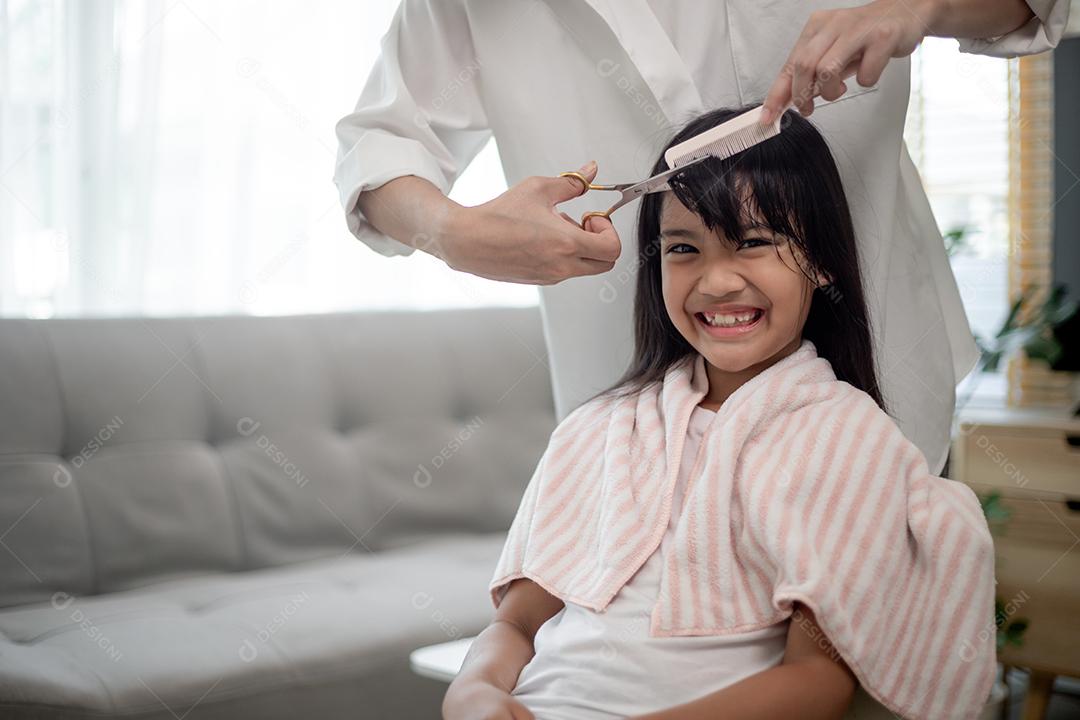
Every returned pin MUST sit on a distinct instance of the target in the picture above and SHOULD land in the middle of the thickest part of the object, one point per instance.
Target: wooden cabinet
(1032, 458)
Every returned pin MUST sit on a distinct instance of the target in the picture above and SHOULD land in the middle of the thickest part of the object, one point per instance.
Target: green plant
(1031, 331)
(1035, 335)
(1009, 632)
(956, 240)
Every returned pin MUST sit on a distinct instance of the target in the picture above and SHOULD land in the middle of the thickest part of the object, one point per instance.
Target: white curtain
(175, 157)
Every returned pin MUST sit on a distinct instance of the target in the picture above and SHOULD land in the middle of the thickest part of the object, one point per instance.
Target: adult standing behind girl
(560, 81)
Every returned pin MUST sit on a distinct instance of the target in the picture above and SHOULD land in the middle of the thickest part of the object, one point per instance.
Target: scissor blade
(657, 182)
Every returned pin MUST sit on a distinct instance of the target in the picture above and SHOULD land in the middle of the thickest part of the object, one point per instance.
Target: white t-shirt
(598, 666)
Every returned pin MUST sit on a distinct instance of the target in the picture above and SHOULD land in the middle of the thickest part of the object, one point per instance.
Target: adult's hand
(836, 44)
(521, 236)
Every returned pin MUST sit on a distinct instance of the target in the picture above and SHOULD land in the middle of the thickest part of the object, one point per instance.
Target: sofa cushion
(203, 646)
(135, 450)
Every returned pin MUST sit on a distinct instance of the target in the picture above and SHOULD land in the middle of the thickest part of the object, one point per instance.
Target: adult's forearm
(802, 690)
(411, 210)
(973, 18)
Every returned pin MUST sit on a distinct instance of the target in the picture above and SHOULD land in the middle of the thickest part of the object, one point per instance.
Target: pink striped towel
(804, 490)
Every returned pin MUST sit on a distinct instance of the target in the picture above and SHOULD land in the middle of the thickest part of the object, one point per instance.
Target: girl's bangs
(751, 189)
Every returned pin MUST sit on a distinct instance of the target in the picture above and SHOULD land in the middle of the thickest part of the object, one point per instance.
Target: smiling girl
(737, 528)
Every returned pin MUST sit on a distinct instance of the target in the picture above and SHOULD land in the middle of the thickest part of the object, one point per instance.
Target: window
(958, 135)
(177, 158)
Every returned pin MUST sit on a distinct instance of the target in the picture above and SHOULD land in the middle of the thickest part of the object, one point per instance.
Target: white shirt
(601, 666)
(563, 81)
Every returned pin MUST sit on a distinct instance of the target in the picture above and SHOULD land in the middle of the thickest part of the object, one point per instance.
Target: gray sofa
(242, 517)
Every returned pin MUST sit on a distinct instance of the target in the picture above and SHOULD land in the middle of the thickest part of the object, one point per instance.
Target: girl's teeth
(730, 320)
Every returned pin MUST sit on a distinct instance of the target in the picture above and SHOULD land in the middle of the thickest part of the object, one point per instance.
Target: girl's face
(753, 287)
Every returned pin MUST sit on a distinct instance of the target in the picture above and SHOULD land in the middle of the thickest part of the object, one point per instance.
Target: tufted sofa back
(135, 450)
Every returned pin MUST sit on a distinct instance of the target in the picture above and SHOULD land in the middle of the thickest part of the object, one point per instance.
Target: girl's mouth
(726, 331)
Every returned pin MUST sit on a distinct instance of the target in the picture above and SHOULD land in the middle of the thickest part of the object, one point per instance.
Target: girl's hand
(480, 701)
(835, 44)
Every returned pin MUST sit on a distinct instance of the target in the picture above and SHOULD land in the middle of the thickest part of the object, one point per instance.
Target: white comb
(737, 134)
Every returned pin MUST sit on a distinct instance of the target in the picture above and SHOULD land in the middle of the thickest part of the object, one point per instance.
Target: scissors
(630, 191)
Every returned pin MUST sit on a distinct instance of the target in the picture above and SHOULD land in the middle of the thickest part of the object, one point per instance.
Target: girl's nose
(721, 278)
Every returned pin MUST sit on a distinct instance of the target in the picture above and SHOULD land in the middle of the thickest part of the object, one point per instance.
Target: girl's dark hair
(795, 186)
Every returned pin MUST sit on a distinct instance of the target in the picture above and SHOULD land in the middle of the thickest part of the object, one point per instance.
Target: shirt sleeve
(419, 113)
(1041, 33)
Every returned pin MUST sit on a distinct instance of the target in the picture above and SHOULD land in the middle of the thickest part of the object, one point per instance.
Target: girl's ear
(823, 279)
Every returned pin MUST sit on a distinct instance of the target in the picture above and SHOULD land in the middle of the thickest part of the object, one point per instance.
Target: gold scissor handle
(587, 186)
(585, 218)
(592, 186)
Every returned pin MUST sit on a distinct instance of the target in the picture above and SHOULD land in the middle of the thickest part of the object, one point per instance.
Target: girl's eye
(760, 240)
(680, 245)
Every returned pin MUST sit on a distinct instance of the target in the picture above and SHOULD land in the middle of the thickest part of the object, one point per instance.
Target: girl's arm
(497, 655)
(812, 682)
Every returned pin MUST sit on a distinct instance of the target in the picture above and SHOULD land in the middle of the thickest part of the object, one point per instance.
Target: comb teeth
(732, 144)
(739, 133)
(724, 140)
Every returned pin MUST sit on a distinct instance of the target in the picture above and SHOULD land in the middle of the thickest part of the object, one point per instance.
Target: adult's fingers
(874, 59)
(598, 224)
(561, 189)
(840, 61)
(585, 266)
(600, 241)
(781, 91)
(568, 219)
(806, 60)
(778, 96)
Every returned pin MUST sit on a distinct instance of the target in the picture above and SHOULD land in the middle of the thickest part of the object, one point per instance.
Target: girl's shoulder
(589, 414)
(827, 402)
